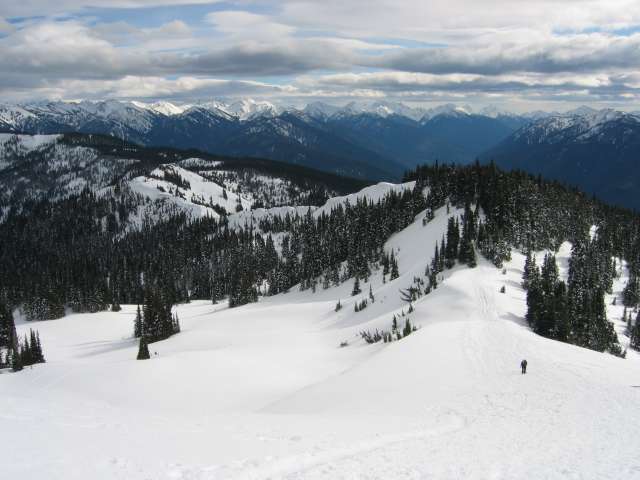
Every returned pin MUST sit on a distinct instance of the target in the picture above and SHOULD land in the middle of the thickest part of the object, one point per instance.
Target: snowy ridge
(265, 391)
(197, 196)
(372, 193)
(583, 125)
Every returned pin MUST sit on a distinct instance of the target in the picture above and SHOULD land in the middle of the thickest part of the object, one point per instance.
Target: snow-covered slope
(265, 391)
(578, 126)
(37, 166)
(188, 191)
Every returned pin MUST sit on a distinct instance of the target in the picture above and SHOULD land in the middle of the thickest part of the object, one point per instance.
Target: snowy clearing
(265, 391)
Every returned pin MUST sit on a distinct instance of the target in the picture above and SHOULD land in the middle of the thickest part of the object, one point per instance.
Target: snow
(27, 142)
(264, 391)
(582, 124)
(249, 108)
(165, 108)
(193, 200)
(372, 193)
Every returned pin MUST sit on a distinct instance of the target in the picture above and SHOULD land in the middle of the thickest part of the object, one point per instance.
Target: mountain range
(377, 140)
(595, 150)
(592, 149)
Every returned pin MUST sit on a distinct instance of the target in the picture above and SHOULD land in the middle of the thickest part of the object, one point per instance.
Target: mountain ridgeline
(597, 151)
(81, 250)
(376, 142)
(594, 150)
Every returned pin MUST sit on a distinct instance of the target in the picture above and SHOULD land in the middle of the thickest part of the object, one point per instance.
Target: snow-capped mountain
(580, 127)
(55, 167)
(165, 108)
(371, 140)
(596, 150)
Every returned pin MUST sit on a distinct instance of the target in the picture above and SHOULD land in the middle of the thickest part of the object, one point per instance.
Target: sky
(517, 54)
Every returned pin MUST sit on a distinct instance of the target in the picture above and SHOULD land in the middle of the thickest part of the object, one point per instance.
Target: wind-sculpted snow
(265, 392)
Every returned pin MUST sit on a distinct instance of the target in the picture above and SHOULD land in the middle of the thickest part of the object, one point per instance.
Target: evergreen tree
(137, 324)
(394, 267)
(356, 287)
(16, 360)
(143, 349)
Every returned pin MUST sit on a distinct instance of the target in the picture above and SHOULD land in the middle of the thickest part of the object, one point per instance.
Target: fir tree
(143, 349)
(356, 287)
(137, 324)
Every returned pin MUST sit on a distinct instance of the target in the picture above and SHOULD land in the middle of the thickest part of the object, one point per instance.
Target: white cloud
(414, 49)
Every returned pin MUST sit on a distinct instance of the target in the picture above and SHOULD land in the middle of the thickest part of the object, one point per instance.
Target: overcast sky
(518, 54)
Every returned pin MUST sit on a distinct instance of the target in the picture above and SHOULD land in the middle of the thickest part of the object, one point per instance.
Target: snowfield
(265, 391)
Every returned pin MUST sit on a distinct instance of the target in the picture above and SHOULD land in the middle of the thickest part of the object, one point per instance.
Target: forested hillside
(81, 253)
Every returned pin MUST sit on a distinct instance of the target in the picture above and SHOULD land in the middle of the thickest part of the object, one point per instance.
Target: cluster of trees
(388, 336)
(574, 313)
(81, 253)
(155, 321)
(19, 353)
(531, 214)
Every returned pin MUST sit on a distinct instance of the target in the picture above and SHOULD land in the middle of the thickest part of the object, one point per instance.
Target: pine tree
(137, 324)
(143, 349)
(356, 287)
(407, 328)
(6, 326)
(16, 360)
(394, 267)
(529, 262)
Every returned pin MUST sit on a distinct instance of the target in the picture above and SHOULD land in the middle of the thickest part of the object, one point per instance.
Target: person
(523, 365)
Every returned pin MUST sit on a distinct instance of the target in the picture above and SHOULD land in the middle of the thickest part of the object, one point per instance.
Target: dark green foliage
(394, 266)
(158, 323)
(453, 238)
(408, 328)
(6, 327)
(14, 352)
(137, 324)
(528, 213)
(31, 349)
(143, 349)
(356, 287)
(389, 336)
(631, 292)
(18, 353)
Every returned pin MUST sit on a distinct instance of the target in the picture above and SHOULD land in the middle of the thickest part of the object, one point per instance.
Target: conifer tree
(137, 324)
(356, 287)
(16, 360)
(394, 267)
(143, 349)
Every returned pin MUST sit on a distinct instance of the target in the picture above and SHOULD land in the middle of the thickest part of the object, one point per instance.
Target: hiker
(523, 365)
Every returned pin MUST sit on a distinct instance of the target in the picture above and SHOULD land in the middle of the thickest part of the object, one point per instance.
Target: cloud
(133, 87)
(337, 49)
(248, 26)
(5, 27)
(555, 54)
